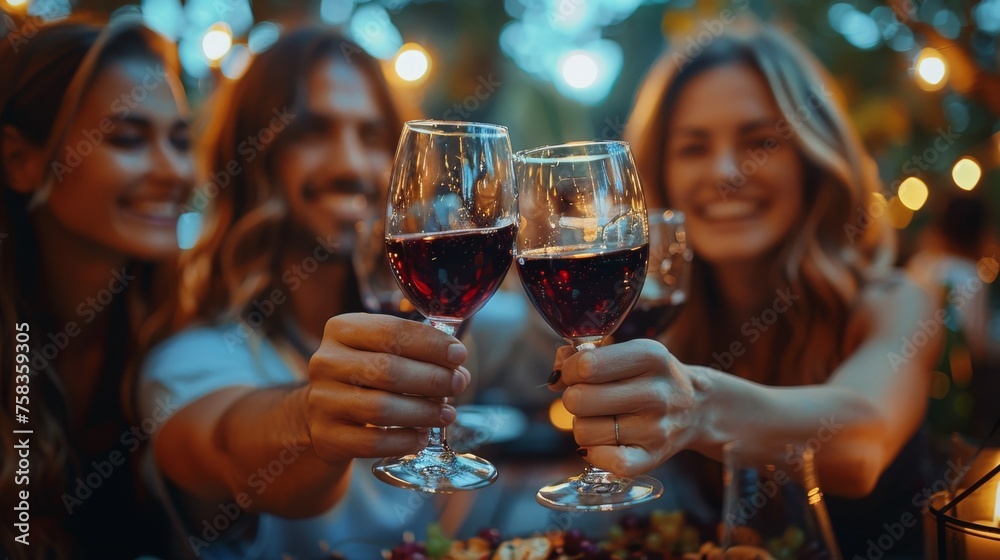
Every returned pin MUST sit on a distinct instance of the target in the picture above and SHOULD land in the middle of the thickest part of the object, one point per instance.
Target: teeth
(155, 209)
(729, 210)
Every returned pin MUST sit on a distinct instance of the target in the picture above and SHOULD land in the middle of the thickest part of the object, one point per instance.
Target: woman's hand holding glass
(652, 395)
(581, 253)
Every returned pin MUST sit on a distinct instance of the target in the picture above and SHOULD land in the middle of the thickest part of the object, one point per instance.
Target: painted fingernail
(556, 375)
(458, 383)
(582, 452)
(448, 413)
(456, 353)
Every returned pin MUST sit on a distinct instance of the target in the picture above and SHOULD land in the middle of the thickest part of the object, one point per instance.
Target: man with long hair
(277, 399)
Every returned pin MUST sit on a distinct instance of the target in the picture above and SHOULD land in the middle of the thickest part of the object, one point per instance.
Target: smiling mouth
(159, 212)
(731, 210)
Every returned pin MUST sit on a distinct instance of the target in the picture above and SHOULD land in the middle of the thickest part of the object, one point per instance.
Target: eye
(690, 149)
(373, 135)
(765, 142)
(182, 142)
(127, 140)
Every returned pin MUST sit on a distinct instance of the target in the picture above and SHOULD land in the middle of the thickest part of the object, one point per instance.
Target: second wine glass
(581, 253)
(450, 226)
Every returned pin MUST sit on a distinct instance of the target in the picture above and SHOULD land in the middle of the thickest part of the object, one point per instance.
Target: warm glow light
(16, 3)
(560, 417)
(217, 41)
(412, 62)
(579, 70)
(996, 508)
(966, 173)
(931, 69)
(899, 216)
(987, 268)
(913, 193)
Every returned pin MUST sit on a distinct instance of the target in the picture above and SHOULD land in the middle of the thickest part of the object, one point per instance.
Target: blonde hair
(831, 255)
(237, 258)
(45, 77)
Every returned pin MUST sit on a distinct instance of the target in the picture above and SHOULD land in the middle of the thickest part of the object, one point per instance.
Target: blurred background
(921, 77)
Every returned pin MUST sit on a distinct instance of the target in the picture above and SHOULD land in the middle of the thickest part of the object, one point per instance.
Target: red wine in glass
(557, 283)
(582, 250)
(450, 224)
(451, 275)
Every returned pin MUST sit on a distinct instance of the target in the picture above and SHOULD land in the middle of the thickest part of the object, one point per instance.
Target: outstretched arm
(861, 417)
(287, 450)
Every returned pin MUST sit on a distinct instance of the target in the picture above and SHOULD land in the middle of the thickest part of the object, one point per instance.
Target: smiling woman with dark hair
(92, 183)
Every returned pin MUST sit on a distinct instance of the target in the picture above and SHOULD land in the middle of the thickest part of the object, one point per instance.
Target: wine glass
(581, 254)
(376, 283)
(668, 278)
(773, 506)
(450, 227)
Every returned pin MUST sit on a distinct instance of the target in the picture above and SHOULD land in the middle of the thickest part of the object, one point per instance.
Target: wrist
(706, 436)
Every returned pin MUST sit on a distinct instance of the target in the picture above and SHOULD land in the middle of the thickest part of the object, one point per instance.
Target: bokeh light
(579, 70)
(560, 417)
(15, 3)
(236, 62)
(217, 41)
(897, 214)
(966, 173)
(913, 193)
(262, 36)
(931, 69)
(987, 268)
(412, 62)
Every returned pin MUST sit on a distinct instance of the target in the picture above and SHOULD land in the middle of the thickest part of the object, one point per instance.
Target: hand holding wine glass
(582, 253)
(450, 226)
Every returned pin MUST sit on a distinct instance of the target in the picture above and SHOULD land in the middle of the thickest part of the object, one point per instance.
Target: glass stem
(437, 438)
(599, 480)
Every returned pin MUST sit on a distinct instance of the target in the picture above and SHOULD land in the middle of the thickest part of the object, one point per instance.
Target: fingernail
(458, 383)
(556, 375)
(448, 413)
(582, 452)
(456, 353)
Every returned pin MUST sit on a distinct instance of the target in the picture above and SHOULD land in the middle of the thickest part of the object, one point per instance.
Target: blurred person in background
(792, 314)
(951, 266)
(96, 164)
(280, 384)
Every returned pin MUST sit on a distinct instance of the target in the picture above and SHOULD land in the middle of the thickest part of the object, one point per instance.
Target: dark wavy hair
(44, 78)
(236, 259)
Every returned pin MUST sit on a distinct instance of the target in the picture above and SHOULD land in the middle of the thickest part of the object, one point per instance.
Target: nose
(170, 165)
(724, 165)
(347, 168)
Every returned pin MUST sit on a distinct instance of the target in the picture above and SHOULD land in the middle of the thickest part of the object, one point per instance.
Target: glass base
(599, 492)
(437, 473)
